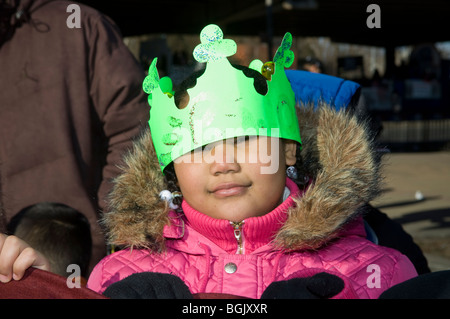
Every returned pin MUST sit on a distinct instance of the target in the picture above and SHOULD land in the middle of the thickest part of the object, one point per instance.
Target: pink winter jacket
(207, 259)
(316, 228)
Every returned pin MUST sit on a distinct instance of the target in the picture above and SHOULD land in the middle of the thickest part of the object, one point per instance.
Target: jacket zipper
(239, 235)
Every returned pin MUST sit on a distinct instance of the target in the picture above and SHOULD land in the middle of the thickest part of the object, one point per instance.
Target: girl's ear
(290, 150)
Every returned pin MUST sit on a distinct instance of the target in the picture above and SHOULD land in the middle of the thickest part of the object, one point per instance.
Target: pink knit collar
(257, 231)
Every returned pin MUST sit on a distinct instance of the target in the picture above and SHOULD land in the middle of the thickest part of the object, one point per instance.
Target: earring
(291, 172)
(167, 196)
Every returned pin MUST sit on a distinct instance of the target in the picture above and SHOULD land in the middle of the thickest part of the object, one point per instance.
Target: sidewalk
(416, 194)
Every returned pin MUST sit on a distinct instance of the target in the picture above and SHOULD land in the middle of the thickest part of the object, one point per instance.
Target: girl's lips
(229, 189)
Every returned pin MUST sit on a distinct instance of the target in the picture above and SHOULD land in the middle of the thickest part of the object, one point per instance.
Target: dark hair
(61, 233)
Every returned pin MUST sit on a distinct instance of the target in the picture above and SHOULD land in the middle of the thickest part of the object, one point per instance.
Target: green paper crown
(224, 103)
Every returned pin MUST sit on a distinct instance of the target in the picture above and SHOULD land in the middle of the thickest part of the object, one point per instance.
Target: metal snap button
(230, 268)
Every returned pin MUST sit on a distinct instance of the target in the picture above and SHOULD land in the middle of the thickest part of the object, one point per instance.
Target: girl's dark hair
(303, 177)
(172, 183)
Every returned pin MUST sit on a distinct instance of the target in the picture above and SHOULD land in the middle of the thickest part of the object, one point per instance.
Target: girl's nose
(222, 158)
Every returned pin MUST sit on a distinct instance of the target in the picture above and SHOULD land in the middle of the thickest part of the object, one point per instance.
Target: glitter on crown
(213, 46)
(151, 81)
(284, 53)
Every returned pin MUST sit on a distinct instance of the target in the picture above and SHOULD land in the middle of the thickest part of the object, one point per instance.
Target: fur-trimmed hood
(337, 152)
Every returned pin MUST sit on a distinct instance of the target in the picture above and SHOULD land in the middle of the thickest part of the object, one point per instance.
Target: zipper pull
(238, 235)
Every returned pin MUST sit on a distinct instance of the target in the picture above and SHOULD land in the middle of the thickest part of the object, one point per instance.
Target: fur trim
(136, 215)
(337, 153)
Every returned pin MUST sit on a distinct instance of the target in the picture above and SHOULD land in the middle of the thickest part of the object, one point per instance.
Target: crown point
(151, 81)
(284, 55)
(213, 46)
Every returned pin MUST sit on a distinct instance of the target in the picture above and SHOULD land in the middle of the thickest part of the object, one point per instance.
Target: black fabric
(149, 285)
(391, 234)
(435, 285)
(319, 286)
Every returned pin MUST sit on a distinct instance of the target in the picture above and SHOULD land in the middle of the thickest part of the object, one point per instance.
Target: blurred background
(398, 52)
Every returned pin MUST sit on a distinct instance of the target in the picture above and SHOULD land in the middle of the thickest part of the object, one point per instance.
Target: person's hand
(16, 256)
(319, 286)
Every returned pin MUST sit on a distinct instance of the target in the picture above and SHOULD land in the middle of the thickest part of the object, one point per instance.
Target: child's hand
(16, 256)
(149, 285)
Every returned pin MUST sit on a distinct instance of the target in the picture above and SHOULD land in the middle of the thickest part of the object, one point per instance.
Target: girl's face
(235, 179)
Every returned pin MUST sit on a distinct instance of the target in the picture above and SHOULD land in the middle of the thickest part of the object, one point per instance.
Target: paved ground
(417, 194)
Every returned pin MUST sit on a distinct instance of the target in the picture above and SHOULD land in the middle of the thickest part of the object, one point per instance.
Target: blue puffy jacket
(315, 87)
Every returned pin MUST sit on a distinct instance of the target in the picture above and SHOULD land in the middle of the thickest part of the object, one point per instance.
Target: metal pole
(269, 28)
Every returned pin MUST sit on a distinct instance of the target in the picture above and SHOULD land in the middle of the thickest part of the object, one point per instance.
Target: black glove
(434, 285)
(149, 285)
(320, 286)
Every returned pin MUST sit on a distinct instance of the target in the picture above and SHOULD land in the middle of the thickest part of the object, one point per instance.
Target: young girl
(224, 195)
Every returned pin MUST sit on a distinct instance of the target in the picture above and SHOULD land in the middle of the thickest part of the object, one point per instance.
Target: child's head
(61, 233)
(228, 133)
